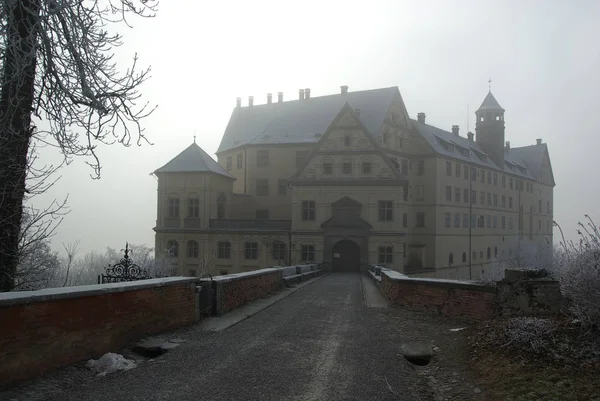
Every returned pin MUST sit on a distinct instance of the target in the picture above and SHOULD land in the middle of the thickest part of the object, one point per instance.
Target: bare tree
(207, 264)
(57, 67)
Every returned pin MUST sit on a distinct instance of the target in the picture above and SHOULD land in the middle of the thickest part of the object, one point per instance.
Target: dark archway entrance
(346, 256)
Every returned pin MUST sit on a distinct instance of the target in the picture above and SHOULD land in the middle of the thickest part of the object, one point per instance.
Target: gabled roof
(490, 103)
(193, 160)
(532, 157)
(346, 222)
(346, 202)
(303, 121)
(346, 108)
(439, 140)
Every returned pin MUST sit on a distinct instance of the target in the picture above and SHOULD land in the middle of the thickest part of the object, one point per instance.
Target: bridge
(331, 337)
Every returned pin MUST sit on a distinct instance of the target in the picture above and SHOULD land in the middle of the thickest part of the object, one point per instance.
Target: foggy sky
(542, 58)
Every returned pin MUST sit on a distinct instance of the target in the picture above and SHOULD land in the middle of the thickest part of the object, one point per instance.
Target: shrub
(529, 333)
(578, 269)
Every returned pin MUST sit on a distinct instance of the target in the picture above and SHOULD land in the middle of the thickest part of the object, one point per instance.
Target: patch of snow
(458, 329)
(109, 363)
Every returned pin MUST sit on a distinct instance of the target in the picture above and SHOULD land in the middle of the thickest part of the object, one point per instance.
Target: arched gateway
(346, 256)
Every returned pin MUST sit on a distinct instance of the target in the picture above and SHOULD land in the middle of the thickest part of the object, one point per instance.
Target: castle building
(349, 180)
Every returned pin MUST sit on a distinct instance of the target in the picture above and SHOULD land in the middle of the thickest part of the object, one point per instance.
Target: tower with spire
(489, 129)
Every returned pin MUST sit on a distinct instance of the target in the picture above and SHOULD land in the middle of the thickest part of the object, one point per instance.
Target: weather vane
(194, 136)
(490, 84)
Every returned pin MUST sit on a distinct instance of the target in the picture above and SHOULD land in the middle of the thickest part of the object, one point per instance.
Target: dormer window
(347, 140)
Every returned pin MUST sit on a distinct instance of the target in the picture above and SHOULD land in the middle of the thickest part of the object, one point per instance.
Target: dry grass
(536, 359)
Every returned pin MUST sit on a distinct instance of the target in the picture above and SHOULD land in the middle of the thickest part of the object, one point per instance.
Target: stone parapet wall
(516, 295)
(46, 329)
(235, 290)
(470, 301)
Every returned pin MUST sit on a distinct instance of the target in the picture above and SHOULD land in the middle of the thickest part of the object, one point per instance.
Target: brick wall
(445, 297)
(47, 329)
(235, 290)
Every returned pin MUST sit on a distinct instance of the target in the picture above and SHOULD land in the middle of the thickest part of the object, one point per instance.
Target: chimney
(269, 98)
(470, 136)
(421, 118)
(539, 141)
(250, 100)
(307, 93)
(507, 144)
(301, 94)
(357, 112)
(344, 89)
(238, 102)
(455, 130)
(280, 97)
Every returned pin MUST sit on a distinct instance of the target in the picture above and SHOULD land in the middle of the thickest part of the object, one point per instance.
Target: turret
(489, 129)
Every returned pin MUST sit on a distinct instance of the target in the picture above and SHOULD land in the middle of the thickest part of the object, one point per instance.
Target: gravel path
(320, 343)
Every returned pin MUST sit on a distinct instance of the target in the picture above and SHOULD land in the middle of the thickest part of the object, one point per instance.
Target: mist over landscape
(440, 55)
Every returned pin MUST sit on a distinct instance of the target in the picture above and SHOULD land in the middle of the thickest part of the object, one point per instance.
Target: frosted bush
(529, 332)
(578, 269)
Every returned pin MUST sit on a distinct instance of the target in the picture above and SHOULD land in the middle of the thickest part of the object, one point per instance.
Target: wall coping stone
(240, 276)
(440, 282)
(50, 294)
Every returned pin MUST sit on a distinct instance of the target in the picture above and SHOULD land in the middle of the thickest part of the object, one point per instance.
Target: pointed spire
(490, 103)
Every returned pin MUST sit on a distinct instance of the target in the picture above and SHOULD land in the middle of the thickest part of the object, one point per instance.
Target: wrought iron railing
(125, 270)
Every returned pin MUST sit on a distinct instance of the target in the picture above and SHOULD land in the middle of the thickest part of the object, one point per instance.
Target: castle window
(347, 167)
(224, 250)
(456, 220)
(447, 220)
(327, 168)
(173, 206)
(465, 220)
(308, 210)
(450, 259)
(347, 140)
(448, 168)
(421, 167)
(386, 254)
(386, 211)
(193, 207)
(251, 250)
(192, 249)
(466, 172)
(366, 167)
(221, 206)
(404, 220)
(457, 170)
(239, 160)
(510, 202)
(308, 253)
(228, 163)
(279, 251)
(420, 219)
(457, 195)
(173, 248)
(495, 251)
(262, 158)
(503, 221)
(489, 253)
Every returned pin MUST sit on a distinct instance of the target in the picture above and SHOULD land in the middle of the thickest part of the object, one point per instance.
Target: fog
(541, 57)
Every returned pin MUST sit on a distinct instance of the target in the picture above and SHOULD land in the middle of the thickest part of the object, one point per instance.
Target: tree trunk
(16, 105)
